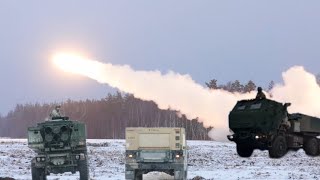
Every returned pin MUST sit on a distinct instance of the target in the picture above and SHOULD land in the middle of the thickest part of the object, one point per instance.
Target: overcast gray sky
(226, 40)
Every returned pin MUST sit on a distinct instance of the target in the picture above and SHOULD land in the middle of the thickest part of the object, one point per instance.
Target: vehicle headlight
(82, 156)
(257, 137)
(230, 137)
(131, 155)
(38, 159)
(177, 156)
(82, 143)
(43, 159)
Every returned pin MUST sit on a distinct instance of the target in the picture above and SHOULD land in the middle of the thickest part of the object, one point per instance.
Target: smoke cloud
(181, 92)
(301, 89)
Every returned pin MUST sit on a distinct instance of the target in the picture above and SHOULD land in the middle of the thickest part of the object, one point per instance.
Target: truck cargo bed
(307, 123)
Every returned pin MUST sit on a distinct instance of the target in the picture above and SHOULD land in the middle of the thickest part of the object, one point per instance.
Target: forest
(107, 118)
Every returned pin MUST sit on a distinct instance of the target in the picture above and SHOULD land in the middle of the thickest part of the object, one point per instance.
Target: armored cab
(60, 145)
(156, 149)
(266, 125)
(263, 116)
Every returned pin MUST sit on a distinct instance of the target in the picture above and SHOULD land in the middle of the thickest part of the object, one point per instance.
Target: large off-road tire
(83, 169)
(138, 175)
(129, 175)
(311, 147)
(180, 175)
(37, 173)
(278, 147)
(185, 175)
(244, 150)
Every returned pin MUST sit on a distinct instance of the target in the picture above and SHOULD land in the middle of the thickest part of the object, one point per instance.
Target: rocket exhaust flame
(76, 64)
(182, 93)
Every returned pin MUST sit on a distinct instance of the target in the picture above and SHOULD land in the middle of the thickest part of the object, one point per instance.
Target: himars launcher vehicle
(60, 145)
(156, 149)
(266, 125)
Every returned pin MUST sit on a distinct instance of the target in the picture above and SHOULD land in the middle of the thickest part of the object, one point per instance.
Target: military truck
(266, 125)
(60, 145)
(156, 149)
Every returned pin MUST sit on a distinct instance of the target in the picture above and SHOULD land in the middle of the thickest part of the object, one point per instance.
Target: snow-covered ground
(208, 159)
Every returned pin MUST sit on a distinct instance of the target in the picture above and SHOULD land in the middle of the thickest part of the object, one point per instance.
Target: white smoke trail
(177, 91)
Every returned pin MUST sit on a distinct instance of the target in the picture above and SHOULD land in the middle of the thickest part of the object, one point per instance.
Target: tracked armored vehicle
(156, 149)
(60, 145)
(266, 125)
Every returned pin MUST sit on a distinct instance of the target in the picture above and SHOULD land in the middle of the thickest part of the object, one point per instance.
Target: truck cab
(259, 124)
(156, 149)
(60, 145)
(266, 125)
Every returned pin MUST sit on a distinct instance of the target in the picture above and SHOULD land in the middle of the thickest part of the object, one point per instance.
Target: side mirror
(287, 105)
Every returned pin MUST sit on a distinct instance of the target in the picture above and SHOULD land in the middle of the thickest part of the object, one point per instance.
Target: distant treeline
(237, 86)
(107, 118)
